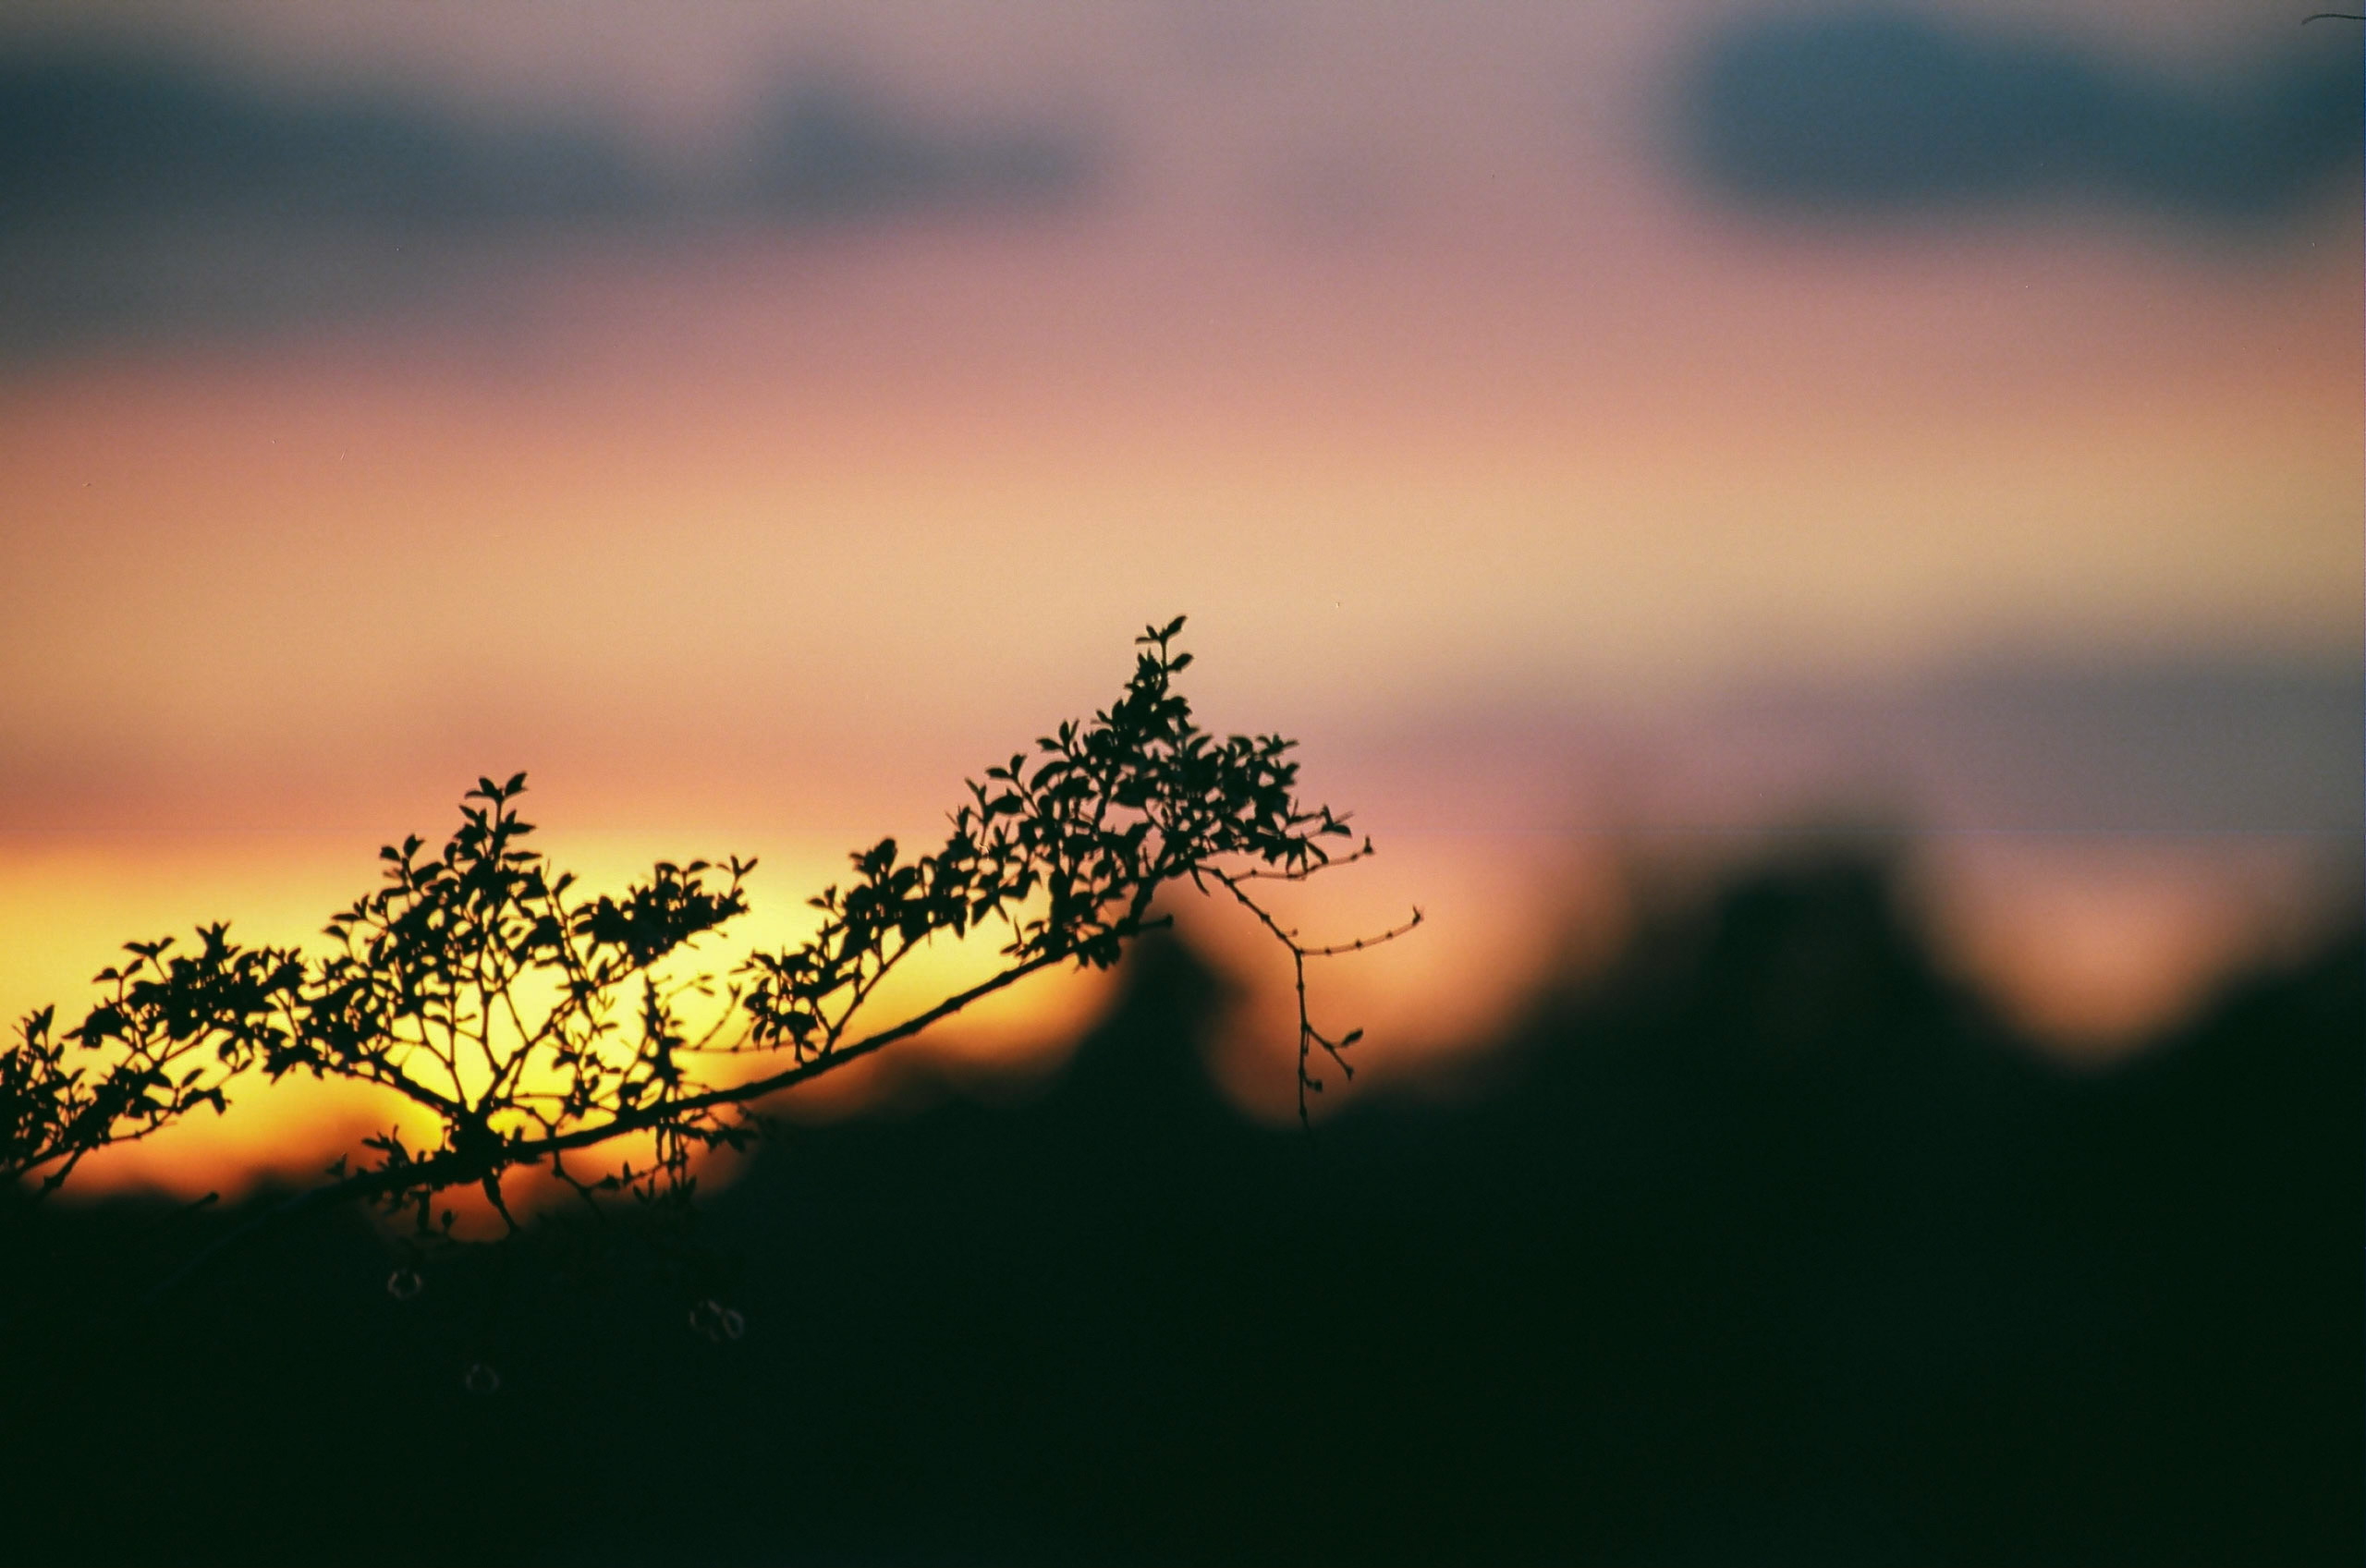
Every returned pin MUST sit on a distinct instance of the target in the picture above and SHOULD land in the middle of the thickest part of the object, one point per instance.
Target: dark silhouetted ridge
(1770, 1246)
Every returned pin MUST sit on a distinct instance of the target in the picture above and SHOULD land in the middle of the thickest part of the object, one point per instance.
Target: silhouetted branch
(535, 1024)
(1308, 1036)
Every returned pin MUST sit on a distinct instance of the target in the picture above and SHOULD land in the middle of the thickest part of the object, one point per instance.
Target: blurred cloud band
(151, 197)
(89, 137)
(1876, 110)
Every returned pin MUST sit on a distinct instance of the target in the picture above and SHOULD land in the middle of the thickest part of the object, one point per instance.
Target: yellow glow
(64, 909)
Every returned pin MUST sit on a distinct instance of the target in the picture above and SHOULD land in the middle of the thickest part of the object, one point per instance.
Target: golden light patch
(66, 908)
(2091, 945)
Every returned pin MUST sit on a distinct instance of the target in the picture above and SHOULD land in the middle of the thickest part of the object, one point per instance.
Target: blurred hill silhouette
(1771, 1245)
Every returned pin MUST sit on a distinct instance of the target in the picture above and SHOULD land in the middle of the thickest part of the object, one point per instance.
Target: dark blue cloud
(1882, 111)
(87, 138)
(147, 198)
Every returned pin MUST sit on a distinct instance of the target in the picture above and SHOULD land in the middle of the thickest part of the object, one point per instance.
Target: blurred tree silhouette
(537, 1023)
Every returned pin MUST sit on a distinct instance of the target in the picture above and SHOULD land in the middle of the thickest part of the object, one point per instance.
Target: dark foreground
(1770, 1250)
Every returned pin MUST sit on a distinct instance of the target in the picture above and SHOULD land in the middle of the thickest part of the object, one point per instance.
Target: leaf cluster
(169, 1034)
(1102, 815)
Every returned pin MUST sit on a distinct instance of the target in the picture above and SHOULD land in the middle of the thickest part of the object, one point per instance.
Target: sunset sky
(1612, 438)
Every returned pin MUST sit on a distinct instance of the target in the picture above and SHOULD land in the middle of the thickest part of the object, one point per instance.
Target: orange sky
(1472, 433)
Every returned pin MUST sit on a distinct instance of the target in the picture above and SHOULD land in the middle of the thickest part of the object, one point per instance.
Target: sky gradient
(1611, 440)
